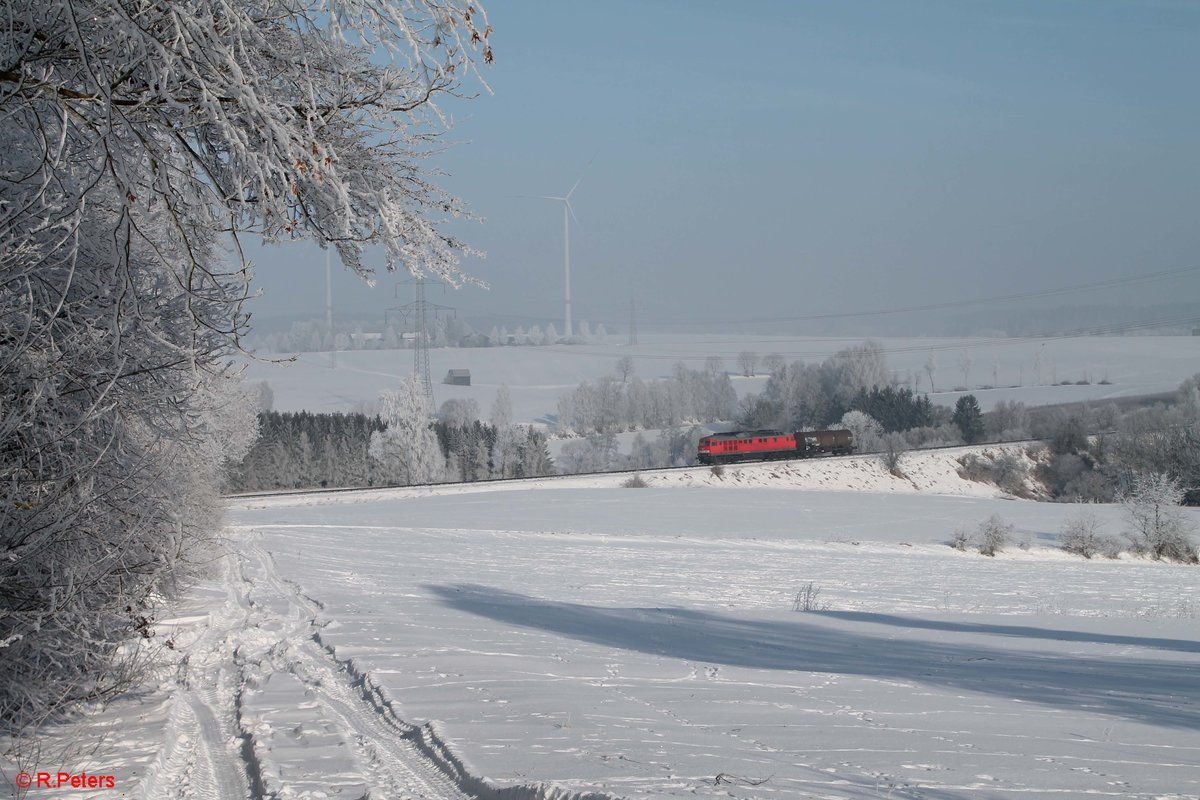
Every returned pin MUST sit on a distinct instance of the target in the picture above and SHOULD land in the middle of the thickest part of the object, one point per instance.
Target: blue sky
(764, 159)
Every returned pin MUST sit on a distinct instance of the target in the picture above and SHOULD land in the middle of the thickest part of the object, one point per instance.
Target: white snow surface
(1022, 369)
(598, 641)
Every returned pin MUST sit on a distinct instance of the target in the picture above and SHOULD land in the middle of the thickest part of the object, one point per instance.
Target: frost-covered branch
(289, 119)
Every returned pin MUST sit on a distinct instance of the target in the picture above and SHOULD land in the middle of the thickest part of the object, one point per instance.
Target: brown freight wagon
(816, 443)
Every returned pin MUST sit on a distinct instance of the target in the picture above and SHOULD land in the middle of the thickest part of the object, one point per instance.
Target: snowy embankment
(932, 471)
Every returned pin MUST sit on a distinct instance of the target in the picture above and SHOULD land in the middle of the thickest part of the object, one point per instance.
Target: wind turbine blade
(572, 211)
(573, 188)
(582, 172)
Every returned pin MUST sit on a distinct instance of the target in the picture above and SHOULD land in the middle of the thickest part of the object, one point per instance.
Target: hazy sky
(767, 159)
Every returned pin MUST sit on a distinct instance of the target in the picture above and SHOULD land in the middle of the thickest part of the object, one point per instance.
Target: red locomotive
(725, 448)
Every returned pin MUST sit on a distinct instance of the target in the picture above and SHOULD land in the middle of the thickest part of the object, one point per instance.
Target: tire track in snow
(203, 759)
(394, 758)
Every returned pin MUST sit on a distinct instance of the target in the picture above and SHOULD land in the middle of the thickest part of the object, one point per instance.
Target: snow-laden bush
(994, 535)
(116, 420)
(1157, 525)
(891, 454)
(960, 539)
(989, 538)
(1004, 468)
(1082, 536)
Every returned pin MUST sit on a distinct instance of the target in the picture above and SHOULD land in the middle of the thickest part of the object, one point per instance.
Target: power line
(954, 344)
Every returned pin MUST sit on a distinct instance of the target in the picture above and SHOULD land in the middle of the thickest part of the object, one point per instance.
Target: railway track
(652, 470)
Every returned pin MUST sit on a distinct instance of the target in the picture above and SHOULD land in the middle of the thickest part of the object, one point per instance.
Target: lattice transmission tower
(633, 321)
(415, 315)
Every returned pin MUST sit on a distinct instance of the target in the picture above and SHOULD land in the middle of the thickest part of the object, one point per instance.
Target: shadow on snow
(1157, 692)
(1021, 631)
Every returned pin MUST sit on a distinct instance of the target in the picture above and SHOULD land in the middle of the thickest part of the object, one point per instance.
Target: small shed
(458, 377)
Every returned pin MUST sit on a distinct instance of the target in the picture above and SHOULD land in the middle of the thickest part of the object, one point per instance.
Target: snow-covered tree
(262, 397)
(408, 448)
(437, 334)
(964, 363)
(502, 410)
(596, 453)
(506, 454)
(1158, 526)
(551, 334)
(283, 117)
(867, 432)
(747, 360)
(140, 138)
(863, 367)
(624, 368)
(457, 329)
(1008, 420)
(459, 412)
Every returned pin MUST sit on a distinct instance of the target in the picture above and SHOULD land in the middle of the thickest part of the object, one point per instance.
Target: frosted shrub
(1082, 537)
(635, 482)
(1003, 469)
(1158, 527)
(892, 453)
(961, 539)
(994, 535)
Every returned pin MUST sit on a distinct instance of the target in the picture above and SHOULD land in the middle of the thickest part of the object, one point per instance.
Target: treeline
(801, 396)
(304, 450)
(598, 452)
(625, 402)
(314, 336)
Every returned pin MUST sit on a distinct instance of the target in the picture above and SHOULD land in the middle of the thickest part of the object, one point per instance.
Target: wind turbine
(568, 215)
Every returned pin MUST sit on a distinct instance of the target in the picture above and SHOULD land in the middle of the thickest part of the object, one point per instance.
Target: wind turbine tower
(568, 215)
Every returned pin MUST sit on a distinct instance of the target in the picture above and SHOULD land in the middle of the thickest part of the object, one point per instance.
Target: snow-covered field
(643, 642)
(569, 638)
(538, 376)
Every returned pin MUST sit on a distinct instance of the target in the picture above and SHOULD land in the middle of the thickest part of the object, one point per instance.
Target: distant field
(1026, 370)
